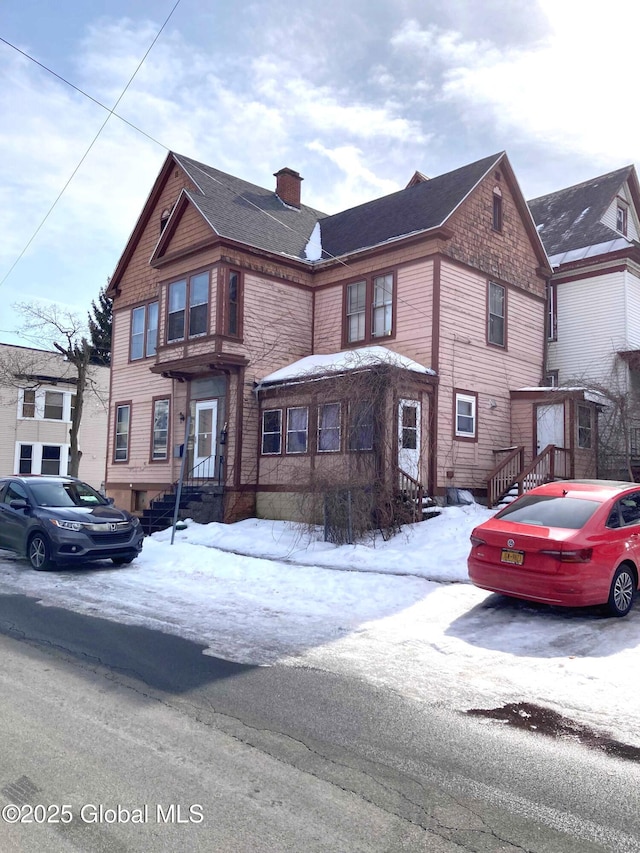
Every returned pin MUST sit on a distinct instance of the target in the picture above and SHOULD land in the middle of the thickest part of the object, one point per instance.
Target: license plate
(516, 558)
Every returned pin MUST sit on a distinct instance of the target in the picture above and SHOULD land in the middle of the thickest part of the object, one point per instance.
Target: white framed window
(271, 432)
(622, 214)
(297, 429)
(123, 423)
(41, 458)
(329, 422)
(45, 404)
(160, 445)
(466, 415)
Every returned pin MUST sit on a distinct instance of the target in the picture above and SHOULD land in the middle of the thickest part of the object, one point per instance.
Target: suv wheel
(38, 553)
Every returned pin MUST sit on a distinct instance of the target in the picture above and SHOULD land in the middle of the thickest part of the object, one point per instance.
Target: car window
(65, 493)
(626, 511)
(550, 511)
(14, 492)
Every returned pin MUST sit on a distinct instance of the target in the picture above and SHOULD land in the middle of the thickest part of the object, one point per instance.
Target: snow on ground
(400, 613)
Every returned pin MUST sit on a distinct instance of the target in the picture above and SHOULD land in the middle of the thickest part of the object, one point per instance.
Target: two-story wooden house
(400, 343)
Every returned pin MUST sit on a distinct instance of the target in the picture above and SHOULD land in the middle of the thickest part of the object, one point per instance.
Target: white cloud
(566, 91)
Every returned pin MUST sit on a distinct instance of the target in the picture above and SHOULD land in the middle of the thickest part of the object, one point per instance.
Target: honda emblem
(113, 527)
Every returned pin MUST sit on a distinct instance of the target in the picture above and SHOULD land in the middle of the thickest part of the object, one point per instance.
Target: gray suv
(63, 520)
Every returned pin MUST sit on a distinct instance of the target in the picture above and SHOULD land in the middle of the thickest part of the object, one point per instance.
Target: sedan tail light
(476, 540)
(583, 555)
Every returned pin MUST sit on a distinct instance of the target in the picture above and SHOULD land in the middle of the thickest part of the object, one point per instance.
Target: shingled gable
(233, 209)
(570, 219)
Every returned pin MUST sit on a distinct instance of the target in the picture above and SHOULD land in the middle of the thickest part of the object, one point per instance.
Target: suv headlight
(66, 525)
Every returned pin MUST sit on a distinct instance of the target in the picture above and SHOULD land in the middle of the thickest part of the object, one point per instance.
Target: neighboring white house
(591, 233)
(37, 395)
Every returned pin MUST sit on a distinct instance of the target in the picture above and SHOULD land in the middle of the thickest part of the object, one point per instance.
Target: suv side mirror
(19, 503)
(110, 501)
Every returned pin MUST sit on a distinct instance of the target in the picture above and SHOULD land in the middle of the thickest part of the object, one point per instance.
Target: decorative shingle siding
(507, 255)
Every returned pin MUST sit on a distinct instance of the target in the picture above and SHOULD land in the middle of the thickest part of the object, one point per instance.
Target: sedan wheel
(623, 587)
(38, 553)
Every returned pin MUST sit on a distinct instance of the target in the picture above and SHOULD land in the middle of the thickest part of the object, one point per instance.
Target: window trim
(580, 427)
(552, 311)
(124, 404)
(622, 212)
(352, 428)
(146, 349)
(461, 395)
(320, 428)
(277, 452)
(369, 307)
(154, 401)
(290, 432)
(226, 303)
(37, 448)
(40, 401)
(186, 322)
(491, 343)
(497, 219)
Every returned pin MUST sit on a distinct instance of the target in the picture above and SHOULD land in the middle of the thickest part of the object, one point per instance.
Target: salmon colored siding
(469, 364)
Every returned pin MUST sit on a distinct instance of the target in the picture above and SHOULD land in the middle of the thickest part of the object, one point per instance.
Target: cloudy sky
(354, 94)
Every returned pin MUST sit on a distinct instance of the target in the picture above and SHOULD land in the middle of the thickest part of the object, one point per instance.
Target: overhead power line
(93, 141)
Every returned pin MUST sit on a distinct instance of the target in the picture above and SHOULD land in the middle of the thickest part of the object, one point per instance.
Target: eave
(190, 366)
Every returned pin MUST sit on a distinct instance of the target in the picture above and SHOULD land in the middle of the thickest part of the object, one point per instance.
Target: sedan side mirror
(19, 503)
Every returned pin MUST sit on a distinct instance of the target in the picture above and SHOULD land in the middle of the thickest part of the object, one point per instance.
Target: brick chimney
(288, 186)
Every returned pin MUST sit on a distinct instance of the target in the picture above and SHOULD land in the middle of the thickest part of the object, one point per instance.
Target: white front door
(550, 425)
(409, 437)
(204, 451)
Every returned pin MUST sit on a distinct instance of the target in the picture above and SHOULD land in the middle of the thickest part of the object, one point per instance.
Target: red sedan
(572, 542)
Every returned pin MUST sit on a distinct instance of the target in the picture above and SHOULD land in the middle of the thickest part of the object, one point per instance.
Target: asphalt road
(153, 746)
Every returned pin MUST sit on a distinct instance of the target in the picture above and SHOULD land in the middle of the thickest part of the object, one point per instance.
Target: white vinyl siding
(611, 216)
(596, 317)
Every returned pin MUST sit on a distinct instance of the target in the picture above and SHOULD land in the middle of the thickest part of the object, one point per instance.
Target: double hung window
(369, 309)
(144, 331)
(188, 307)
(496, 325)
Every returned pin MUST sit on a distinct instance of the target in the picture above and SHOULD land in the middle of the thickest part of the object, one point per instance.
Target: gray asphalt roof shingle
(570, 218)
(236, 209)
(250, 214)
(417, 208)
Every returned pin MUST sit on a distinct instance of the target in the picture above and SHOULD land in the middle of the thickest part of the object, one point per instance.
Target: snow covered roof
(329, 364)
(589, 394)
(571, 219)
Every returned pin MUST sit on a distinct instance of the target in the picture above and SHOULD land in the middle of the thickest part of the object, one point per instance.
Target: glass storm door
(409, 437)
(204, 453)
(550, 426)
